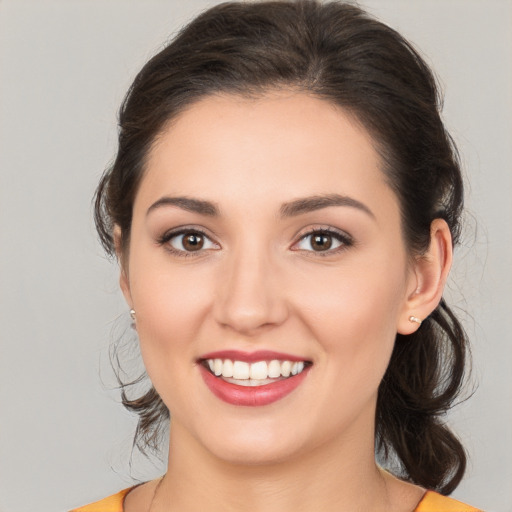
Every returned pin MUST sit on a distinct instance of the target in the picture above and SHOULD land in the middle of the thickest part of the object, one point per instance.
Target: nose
(249, 296)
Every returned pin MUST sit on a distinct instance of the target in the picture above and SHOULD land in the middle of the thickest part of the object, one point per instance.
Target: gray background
(64, 67)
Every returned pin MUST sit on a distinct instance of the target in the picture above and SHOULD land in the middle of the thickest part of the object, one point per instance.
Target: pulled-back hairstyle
(336, 52)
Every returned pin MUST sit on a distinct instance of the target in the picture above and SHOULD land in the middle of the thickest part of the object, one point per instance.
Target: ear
(124, 280)
(428, 278)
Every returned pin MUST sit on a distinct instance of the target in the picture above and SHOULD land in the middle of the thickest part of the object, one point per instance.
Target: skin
(258, 284)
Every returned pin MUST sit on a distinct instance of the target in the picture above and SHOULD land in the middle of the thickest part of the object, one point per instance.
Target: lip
(251, 357)
(248, 395)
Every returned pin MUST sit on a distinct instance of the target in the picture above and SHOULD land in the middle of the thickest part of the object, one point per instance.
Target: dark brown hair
(336, 52)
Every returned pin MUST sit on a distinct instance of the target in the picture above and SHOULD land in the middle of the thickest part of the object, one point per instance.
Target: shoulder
(434, 502)
(113, 503)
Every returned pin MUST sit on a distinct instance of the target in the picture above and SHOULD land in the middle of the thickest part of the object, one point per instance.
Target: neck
(340, 475)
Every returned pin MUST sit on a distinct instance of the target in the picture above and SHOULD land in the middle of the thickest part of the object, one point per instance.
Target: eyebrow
(187, 203)
(312, 203)
(290, 209)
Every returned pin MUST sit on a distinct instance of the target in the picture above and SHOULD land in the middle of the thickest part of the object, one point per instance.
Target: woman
(283, 205)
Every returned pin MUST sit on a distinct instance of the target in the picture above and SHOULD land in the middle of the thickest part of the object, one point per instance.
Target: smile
(252, 382)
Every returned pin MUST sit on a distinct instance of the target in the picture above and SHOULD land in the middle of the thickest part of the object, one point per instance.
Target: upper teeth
(259, 370)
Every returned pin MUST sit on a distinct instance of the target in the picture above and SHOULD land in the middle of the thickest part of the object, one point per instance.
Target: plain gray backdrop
(64, 68)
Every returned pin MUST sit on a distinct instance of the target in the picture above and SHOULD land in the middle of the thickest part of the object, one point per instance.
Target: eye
(187, 241)
(323, 241)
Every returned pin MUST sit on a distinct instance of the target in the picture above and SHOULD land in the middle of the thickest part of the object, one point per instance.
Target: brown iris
(321, 242)
(193, 241)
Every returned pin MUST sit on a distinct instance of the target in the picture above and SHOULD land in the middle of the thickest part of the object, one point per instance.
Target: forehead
(272, 147)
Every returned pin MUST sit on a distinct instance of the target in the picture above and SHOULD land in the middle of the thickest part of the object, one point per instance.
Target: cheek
(353, 315)
(171, 306)
(353, 318)
(355, 302)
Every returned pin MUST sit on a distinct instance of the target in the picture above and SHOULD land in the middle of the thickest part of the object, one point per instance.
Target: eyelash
(345, 240)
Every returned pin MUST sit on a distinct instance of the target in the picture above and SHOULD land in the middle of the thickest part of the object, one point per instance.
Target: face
(265, 240)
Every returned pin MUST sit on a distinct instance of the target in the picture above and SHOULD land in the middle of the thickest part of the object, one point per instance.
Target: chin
(254, 455)
(252, 447)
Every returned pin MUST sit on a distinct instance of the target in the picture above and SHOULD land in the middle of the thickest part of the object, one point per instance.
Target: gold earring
(415, 320)
(132, 313)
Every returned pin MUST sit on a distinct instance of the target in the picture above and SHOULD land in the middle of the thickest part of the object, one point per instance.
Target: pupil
(193, 242)
(321, 242)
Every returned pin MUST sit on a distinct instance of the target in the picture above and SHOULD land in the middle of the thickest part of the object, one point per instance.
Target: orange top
(434, 502)
(431, 502)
